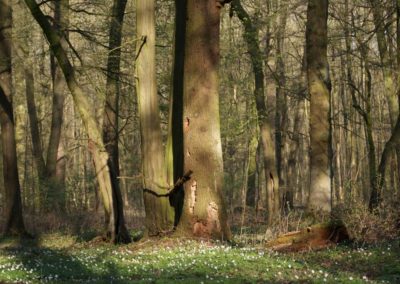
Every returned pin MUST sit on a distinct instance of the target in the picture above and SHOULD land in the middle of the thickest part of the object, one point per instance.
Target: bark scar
(193, 189)
(186, 124)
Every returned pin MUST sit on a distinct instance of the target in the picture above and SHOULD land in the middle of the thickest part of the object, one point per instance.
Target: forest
(200, 141)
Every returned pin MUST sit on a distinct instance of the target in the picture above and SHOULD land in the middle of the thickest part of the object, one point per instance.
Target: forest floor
(56, 258)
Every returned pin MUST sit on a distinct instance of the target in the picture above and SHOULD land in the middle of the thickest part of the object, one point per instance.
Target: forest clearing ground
(56, 258)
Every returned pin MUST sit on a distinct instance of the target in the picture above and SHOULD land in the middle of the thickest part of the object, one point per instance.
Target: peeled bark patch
(193, 189)
(212, 217)
(207, 228)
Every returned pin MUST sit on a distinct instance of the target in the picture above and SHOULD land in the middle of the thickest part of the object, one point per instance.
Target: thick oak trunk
(204, 212)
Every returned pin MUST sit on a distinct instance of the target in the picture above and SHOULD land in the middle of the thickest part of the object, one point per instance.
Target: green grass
(68, 259)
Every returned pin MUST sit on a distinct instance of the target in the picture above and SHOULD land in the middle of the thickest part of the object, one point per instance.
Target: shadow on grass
(38, 263)
(94, 264)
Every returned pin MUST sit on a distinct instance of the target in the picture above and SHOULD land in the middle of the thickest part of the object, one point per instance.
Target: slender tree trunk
(37, 149)
(55, 155)
(111, 112)
(96, 146)
(14, 223)
(174, 154)
(319, 87)
(271, 173)
(204, 213)
(159, 213)
(387, 62)
(281, 108)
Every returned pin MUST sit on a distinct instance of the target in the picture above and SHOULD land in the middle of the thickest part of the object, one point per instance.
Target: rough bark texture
(110, 122)
(204, 212)
(96, 146)
(14, 224)
(159, 213)
(266, 129)
(319, 86)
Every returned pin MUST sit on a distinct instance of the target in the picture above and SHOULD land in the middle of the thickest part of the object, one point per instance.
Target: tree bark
(319, 86)
(159, 213)
(14, 224)
(204, 213)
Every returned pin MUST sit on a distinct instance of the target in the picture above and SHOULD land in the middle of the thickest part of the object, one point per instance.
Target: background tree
(270, 171)
(115, 227)
(14, 223)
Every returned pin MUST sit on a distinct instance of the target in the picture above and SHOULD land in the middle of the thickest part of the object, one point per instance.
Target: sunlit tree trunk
(319, 87)
(14, 223)
(204, 213)
(159, 213)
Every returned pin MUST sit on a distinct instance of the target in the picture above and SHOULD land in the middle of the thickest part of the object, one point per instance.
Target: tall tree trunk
(55, 155)
(159, 213)
(204, 213)
(96, 145)
(281, 107)
(271, 173)
(14, 223)
(319, 86)
(367, 116)
(174, 154)
(111, 111)
(37, 149)
(387, 62)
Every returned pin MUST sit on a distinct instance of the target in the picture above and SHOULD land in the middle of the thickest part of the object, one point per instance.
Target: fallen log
(314, 237)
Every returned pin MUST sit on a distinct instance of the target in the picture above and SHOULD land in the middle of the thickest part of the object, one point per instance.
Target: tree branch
(177, 185)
